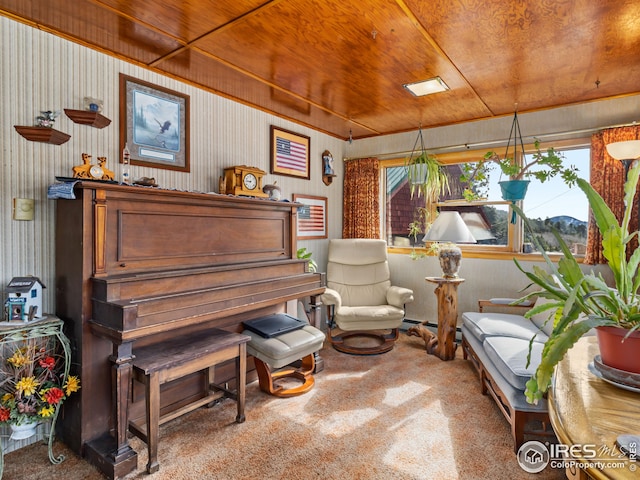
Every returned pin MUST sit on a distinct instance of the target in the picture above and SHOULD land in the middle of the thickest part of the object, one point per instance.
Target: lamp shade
(627, 150)
(449, 227)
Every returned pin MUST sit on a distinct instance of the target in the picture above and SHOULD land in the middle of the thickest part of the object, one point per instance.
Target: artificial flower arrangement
(33, 383)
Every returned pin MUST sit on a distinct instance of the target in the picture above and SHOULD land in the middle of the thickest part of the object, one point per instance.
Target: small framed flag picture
(312, 217)
(290, 153)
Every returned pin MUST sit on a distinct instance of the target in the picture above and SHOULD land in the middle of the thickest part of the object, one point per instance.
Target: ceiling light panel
(426, 87)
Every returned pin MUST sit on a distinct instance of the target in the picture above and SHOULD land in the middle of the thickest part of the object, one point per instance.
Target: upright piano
(140, 265)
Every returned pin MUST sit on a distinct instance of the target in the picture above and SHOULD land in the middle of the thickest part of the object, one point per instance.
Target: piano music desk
(160, 363)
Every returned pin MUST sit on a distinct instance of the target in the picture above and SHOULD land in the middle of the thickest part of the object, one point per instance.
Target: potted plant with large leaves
(583, 301)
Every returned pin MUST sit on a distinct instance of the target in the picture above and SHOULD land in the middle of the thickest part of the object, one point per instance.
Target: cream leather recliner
(360, 298)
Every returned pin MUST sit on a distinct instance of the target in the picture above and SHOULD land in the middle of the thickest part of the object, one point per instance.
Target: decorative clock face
(96, 172)
(250, 181)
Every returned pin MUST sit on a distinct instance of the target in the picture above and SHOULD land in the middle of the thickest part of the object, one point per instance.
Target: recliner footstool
(274, 353)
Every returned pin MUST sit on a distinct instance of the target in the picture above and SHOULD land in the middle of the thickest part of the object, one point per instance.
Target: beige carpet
(401, 415)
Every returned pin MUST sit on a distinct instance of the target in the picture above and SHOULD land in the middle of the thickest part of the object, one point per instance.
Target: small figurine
(106, 173)
(87, 171)
(93, 104)
(146, 182)
(48, 118)
(273, 191)
(327, 159)
(82, 171)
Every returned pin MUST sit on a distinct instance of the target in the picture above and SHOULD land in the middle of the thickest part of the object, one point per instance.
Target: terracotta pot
(616, 353)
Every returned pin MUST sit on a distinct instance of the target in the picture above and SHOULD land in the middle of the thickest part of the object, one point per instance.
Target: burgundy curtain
(607, 178)
(361, 202)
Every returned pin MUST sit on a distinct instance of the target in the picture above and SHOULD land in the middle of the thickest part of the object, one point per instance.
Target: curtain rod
(468, 146)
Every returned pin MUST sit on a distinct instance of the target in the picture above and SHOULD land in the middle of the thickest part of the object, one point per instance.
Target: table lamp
(449, 227)
(626, 151)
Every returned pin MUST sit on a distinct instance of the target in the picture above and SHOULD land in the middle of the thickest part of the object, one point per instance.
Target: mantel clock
(243, 180)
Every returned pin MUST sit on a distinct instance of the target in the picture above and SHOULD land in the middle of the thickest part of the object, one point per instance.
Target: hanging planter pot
(514, 190)
(418, 173)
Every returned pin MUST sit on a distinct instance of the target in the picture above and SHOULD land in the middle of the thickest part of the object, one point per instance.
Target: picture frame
(290, 153)
(154, 125)
(312, 222)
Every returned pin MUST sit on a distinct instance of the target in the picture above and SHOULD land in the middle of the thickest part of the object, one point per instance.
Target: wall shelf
(87, 117)
(327, 179)
(43, 134)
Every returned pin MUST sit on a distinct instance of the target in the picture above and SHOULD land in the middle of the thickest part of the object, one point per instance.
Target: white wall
(484, 279)
(42, 72)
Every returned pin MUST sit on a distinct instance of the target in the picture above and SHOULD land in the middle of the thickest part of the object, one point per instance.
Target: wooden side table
(443, 344)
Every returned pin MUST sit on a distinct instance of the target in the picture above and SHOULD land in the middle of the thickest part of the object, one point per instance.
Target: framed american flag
(290, 153)
(312, 217)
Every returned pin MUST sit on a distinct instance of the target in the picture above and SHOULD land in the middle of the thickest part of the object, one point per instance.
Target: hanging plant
(543, 166)
(427, 178)
(425, 173)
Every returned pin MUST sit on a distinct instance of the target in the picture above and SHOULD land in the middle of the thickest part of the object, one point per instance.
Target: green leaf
(602, 213)
(553, 351)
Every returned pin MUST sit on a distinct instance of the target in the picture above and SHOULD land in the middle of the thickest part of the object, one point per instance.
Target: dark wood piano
(137, 266)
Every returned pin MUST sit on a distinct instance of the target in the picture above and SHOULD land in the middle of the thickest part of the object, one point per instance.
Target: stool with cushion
(272, 354)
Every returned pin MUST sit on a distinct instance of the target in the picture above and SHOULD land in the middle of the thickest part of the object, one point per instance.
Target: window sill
(486, 254)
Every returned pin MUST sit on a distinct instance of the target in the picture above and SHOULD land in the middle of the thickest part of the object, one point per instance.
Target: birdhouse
(24, 301)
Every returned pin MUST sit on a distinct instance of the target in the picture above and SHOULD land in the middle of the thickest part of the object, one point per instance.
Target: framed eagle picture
(154, 124)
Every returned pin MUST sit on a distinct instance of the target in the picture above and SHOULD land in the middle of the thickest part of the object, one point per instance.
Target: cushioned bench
(497, 344)
(160, 363)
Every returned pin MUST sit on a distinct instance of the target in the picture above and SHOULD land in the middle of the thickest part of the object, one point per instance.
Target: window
(490, 219)
(554, 203)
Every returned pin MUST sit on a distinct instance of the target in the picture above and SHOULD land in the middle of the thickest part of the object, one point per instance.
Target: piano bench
(271, 354)
(163, 362)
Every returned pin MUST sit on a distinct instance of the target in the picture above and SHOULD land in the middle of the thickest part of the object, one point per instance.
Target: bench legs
(153, 379)
(152, 391)
(304, 373)
(522, 423)
(241, 380)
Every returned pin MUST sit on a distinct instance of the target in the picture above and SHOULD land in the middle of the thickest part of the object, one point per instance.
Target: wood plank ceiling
(339, 66)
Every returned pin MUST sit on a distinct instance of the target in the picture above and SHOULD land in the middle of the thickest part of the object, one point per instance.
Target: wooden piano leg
(112, 454)
(120, 386)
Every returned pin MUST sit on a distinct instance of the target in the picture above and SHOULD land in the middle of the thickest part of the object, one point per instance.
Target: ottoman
(272, 354)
